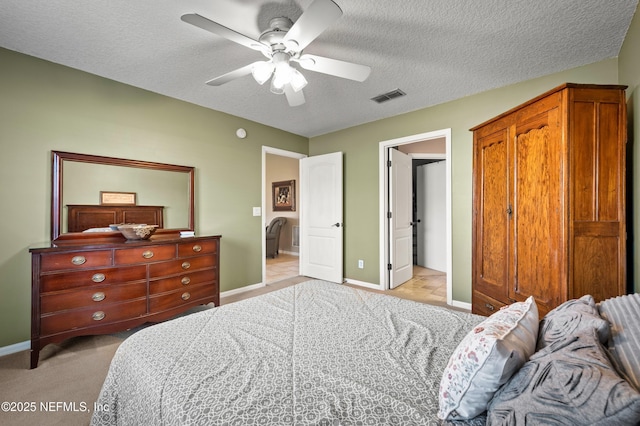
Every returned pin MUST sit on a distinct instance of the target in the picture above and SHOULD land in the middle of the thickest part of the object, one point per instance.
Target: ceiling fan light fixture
(297, 80)
(282, 75)
(276, 89)
(262, 71)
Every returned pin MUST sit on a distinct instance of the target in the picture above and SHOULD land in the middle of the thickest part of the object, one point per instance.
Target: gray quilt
(313, 354)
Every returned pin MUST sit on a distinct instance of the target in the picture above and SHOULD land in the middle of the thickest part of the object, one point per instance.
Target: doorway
(418, 147)
(278, 166)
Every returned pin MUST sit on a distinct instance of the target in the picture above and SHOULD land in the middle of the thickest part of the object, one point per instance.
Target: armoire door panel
(609, 188)
(600, 266)
(536, 233)
(492, 215)
(583, 162)
(595, 149)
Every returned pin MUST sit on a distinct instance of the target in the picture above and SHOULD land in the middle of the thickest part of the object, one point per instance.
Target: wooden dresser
(549, 199)
(105, 286)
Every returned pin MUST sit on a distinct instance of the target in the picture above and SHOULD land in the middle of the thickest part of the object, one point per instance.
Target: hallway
(427, 285)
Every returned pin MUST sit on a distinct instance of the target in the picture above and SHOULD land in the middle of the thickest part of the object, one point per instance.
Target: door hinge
(389, 267)
(388, 163)
(389, 215)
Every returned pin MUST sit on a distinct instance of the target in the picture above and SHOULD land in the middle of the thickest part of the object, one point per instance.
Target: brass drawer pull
(185, 280)
(147, 254)
(78, 260)
(98, 297)
(186, 265)
(98, 278)
(97, 316)
(185, 296)
(197, 248)
(489, 306)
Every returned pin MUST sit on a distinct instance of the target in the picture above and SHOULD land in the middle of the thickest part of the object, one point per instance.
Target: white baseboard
(461, 305)
(16, 347)
(241, 290)
(292, 253)
(362, 284)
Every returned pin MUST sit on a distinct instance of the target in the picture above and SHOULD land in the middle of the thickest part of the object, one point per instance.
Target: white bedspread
(313, 354)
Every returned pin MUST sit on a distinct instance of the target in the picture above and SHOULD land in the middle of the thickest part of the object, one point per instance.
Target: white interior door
(432, 211)
(400, 226)
(321, 217)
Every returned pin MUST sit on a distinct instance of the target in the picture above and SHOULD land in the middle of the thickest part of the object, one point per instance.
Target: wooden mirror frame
(58, 159)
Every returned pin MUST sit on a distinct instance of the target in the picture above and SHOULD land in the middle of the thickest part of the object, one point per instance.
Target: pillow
(623, 313)
(572, 317)
(486, 358)
(571, 381)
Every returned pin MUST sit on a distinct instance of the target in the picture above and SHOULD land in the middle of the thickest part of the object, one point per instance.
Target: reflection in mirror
(169, 187)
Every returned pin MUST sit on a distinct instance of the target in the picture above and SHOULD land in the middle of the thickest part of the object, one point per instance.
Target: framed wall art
(284, 196)
(121, 198)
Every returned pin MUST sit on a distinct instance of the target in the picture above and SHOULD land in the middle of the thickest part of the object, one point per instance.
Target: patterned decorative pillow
(571, 381)
(572, 317)
(486, 358)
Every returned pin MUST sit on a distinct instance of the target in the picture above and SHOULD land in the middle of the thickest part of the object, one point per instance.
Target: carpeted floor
(62, 390)
(66, 384)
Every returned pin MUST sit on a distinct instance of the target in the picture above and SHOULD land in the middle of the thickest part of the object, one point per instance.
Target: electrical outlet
(361, 264)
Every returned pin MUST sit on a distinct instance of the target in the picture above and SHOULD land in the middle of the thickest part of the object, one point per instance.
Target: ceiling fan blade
(334, 67)
(232, 75)
(294, 98)
(221, 30)
(318, 16)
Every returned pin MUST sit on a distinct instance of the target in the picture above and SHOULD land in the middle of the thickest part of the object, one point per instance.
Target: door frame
(383, 186)
(283, 153)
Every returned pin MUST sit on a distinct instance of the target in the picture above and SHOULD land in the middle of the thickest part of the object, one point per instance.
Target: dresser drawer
(106, 276)
(181, 266)
(482, 304)
(195, 248)
(145, 254)
(83, 318)
(182, 297)
(184, 281)
(75, 260)
(91, 297)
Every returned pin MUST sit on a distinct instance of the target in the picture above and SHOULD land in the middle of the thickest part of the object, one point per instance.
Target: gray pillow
(623, 313)
(569, 382)
(572, 317)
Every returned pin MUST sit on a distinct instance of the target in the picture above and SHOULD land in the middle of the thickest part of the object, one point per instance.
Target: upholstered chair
(273, 236)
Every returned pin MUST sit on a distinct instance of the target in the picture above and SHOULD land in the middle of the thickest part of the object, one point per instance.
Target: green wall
(361, 146)
(629, 74)
(45, 107)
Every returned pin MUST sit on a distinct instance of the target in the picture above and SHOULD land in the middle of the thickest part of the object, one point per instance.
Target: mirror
(87, 180)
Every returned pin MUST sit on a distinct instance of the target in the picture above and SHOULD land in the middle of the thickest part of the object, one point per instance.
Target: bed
(319, 353)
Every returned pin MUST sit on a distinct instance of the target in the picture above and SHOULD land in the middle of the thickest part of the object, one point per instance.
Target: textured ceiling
(435, 51)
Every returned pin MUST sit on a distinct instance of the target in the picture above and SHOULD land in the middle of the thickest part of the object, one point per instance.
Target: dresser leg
(35, 355)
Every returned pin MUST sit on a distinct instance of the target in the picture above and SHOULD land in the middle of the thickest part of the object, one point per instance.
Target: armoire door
(598, 159)
(490, 213)
(536, 205)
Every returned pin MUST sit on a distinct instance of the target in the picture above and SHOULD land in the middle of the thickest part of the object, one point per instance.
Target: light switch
(257, 211)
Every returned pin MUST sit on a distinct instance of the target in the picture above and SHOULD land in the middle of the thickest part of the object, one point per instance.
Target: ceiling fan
(283, 44)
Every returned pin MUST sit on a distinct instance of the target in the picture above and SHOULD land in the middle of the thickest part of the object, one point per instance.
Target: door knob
(337, 224)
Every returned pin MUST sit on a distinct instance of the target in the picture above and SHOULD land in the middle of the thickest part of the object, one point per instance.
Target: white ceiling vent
(396, 93)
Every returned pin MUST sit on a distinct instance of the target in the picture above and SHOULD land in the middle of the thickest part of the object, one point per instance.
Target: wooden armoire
(549, 199)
